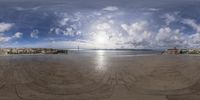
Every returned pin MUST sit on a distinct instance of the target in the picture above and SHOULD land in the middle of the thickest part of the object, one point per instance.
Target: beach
(99, 77)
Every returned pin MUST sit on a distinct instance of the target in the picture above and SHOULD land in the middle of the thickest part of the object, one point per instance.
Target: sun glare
(101, 38)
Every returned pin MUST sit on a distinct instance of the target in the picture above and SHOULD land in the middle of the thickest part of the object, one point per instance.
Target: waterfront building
(173, 51)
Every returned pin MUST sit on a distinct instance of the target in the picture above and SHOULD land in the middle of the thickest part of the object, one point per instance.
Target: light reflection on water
(101, 62)
(100, 52)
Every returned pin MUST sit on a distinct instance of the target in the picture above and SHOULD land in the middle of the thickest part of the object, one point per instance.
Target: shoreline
(28, 54)
(112, 55)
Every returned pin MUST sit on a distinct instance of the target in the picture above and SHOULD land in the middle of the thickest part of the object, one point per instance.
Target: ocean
(116, 52)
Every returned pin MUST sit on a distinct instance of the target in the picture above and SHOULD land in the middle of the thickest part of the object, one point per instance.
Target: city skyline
(90, 24)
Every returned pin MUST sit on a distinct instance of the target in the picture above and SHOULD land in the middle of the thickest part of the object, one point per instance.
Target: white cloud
(138, 34)
(140, 37)
(97, 13)
(62, 44)
(110, 8)
(64, 21)
(153, 9)
(169, 18)
(69, 25)
(18, 35)
(69, 32)
(194, 39)
(166, 37)
(23, 9)
(34, 34)
(135, 28)
(103, 26)
(5, 26)
(4, 39)
(55, 30)
(111, 21)
(192, 23)
(118, 34)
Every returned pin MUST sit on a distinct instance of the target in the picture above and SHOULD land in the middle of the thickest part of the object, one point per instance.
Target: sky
(100, 24)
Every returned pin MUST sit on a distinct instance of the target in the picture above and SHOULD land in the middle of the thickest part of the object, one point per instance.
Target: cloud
(135, 28)
(103, 26)
(138, 34)
(69, 25)
(71, 32)
(5, 26)
(110, 8)
(168, 38)
(35, 8)
(4, 38)
(18, 35)
(62, 44)
(192, 23)
(122, 34)
(169, 18)
(34, 34)
(118, 30)
(194, 40)
(153, 9)
(24, 9)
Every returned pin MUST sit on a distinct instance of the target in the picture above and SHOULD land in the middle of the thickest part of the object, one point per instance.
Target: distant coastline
(42, 51)
(177, 51)
(31, 51)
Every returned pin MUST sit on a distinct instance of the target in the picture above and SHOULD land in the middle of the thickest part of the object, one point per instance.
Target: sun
(100, 35)
(101, 38)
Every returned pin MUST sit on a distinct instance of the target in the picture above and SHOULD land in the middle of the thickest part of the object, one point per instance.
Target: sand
(99, 77)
